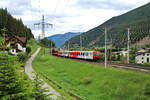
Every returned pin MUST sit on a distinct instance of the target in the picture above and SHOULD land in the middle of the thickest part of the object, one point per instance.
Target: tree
(38, 91)
(47, 43)
(12, 87)
(14, 26)
(133, 51)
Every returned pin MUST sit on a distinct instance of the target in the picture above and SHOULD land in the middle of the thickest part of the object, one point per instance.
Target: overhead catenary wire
(57, 6)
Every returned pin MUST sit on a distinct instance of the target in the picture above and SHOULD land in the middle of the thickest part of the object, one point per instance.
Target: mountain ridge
(136, 19)
(59, 39)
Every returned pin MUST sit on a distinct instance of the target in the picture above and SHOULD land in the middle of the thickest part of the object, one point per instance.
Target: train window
(96, 53)
(86, 54)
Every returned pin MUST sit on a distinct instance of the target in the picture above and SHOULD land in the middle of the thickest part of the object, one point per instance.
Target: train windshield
(97, 53)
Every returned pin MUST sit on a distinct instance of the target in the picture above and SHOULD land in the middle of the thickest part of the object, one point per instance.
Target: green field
(93, 82)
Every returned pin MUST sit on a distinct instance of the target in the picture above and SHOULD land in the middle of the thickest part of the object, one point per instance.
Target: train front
(96, 55)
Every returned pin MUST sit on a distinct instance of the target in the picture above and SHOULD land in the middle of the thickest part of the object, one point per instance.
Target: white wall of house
(24, 49)
(8, 45)
(124, 53)
(142, 58)
(19, 47)
(13, 51)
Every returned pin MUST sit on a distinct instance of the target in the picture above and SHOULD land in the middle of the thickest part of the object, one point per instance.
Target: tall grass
(93, 82)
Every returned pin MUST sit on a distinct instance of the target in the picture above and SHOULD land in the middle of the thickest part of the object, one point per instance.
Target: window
(147, 59)
(142, 57)
(96, 54)
(86, 54)
(147, 54)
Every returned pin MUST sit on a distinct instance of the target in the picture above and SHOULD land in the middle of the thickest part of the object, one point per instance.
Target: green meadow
(93, 82)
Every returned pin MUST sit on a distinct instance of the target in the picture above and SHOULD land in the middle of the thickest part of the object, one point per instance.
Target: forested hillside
(137, 20)
(14, 26)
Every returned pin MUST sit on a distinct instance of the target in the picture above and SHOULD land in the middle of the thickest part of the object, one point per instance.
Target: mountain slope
(59, 39)
(13, 26)
(137, 20)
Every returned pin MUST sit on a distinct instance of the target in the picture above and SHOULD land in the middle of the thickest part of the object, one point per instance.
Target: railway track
(134, 67)
(131, 67)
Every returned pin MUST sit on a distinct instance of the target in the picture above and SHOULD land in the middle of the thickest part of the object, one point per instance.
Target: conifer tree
(11, 86)
(39, 93)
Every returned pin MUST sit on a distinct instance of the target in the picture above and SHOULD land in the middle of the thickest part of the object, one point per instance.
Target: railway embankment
(92, 82)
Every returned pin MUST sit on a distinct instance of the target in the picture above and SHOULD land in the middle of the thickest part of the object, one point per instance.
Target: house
(16, 44)
(124, 53)
(142, 56)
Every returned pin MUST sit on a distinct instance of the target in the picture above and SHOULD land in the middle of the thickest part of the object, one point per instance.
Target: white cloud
(68, 15)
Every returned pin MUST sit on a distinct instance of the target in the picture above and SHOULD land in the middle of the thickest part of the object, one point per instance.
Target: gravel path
(30, 72)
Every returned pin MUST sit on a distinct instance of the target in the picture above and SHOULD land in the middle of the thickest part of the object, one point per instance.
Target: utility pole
(68, 45)
(80, 43)
(43, 24)
(39, 37)
(105, 47)
(128, 58)
(110, 53)
(51, 47)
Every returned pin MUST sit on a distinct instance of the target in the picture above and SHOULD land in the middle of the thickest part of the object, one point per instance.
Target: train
(87, 55)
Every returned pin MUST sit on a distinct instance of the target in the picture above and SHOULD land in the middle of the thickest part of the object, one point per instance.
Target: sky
(68, 15)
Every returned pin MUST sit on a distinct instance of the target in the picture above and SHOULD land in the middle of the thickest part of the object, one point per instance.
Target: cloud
(68, 15)
(104, 4)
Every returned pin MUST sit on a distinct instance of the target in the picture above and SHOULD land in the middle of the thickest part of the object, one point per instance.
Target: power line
(58, 1)
(66, 5)
(55, 10)
(80, 42)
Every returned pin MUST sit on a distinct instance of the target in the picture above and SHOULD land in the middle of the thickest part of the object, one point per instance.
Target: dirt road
(30, 72)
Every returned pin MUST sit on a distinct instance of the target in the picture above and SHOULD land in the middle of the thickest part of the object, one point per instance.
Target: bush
(28, 50)
(146, 64)
(102, 57)
(22, 57)
(147, 90)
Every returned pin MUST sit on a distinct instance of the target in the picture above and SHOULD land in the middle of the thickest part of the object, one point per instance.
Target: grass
(93, 82)
(61, 91)
(33, 44)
